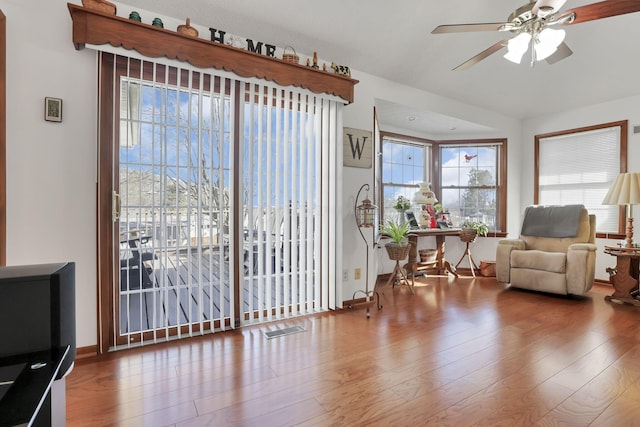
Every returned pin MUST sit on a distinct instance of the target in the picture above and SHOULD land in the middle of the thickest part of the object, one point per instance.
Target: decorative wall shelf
(97, 28)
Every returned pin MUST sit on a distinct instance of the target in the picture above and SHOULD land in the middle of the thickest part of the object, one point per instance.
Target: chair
(135, 266)
(555, 253)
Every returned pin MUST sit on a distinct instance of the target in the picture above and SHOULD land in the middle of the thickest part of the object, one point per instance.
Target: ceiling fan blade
(482, 55)
(547, 7)
(562, 52)
(465, 28)
(603, 9)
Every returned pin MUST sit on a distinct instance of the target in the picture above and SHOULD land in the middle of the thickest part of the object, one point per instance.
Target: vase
(402, 218)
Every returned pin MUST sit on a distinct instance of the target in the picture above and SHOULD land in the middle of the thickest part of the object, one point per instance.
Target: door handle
(115, 206)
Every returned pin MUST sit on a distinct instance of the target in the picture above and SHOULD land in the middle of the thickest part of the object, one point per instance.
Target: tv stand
(27, 388)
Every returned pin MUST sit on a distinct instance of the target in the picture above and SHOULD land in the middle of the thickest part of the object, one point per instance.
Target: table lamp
(625, 190)
(425, 198)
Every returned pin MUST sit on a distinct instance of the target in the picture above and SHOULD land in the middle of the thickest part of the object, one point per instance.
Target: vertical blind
(184, 135)
(578, 168)
(285, 231)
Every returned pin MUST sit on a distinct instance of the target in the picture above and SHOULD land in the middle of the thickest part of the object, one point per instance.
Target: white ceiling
(393, 40)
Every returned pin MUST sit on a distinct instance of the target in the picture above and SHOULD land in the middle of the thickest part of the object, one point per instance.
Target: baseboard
(86, 352)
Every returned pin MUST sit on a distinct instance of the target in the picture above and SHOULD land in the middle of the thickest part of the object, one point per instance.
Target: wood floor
(460, 352)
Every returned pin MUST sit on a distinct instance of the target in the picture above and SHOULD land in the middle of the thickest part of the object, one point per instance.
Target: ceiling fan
(532, 25)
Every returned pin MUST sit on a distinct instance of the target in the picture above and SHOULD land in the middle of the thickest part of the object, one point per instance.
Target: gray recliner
(555, 253)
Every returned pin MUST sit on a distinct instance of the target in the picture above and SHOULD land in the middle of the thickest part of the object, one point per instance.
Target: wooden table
(441, 265)
(624, 277)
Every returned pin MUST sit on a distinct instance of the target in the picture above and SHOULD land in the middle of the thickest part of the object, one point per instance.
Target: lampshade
(366, 214)
(547, 42)
(424, 196)
(625, 190)
(517, 46)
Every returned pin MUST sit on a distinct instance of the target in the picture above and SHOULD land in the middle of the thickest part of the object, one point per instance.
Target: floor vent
(282, 332)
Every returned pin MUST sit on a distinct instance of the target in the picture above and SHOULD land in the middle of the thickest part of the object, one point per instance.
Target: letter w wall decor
(357, 148)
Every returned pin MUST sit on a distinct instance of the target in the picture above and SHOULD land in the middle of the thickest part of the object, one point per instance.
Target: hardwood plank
(595, 397)
(459, 352)
(624, 411)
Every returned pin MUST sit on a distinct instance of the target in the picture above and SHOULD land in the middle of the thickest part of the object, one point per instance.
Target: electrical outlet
(345, 276)
(356, 274)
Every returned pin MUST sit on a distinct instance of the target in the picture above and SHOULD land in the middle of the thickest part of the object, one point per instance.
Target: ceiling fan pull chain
(534, 36)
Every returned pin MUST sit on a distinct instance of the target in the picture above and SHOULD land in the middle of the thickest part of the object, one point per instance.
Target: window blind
(578, 168)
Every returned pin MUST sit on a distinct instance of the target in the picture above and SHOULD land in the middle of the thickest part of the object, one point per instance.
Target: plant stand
(397, 254)
(472, 264)
(468, 235)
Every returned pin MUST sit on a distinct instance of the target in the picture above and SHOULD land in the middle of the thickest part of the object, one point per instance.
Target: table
(624, 277)
(441, 265)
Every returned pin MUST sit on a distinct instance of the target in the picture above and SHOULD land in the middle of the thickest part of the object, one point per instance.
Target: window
(469, 181)
(405, 164)
(472, 183)
(577, 167)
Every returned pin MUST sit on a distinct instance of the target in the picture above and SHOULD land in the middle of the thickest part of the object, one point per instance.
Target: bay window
(468, 177)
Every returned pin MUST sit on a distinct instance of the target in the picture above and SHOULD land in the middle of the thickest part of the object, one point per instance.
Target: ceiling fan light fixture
(544, 11)
(517, 46)
(547, 42)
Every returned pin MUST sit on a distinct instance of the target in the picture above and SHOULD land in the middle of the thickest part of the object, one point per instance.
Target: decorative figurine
(135, 16)
(341, 69)
(157, 22)
(187, 29)
(101, 5)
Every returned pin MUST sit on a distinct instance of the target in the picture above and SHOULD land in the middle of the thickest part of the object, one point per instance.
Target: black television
(37, 310)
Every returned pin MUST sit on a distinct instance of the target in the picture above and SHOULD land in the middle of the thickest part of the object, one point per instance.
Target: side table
(624, 277)
(442, 266)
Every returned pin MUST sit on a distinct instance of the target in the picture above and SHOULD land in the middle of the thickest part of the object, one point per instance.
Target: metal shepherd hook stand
(365, 218)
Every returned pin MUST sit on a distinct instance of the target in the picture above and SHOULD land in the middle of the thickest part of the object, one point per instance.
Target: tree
(479, 197)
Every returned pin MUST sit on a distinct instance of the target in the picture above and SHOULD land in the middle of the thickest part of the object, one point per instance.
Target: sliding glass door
(215, 188)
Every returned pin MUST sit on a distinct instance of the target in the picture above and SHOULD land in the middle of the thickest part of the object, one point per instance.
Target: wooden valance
(98, 28)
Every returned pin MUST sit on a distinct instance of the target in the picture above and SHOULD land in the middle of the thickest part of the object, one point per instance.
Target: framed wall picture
(357, 148)
(53, 109)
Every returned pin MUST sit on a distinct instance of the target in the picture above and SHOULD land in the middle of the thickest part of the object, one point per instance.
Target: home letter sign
(357, 148)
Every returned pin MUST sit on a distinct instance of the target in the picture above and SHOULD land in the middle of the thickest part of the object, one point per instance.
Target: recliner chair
(555, 253)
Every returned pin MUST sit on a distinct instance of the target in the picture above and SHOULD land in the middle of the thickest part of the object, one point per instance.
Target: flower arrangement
(402, 204)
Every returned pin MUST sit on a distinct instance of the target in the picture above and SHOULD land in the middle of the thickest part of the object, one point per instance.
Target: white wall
(51, 167)
(623, 109)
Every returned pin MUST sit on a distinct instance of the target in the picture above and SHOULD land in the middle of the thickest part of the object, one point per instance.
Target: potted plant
(398, 248)
(471, 229)
(402, 204)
